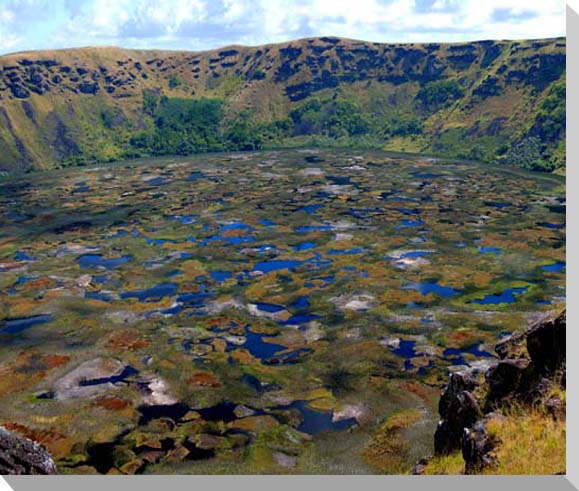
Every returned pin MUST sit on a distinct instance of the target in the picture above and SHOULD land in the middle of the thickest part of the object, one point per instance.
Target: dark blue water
(497, 204)
(555, 226)
(22, 256)
(300, 303)
(409, 223)
(224, 411)
(15, 326)
(405, 349)
(100, 279)
(187, 219)
(127, 372)
(259, 348)
(488, 250)
(473, 350)
(173, 310)
(276, 265)
(301, 319)
(152, 294)
(267, 223)
(17, 217)
(95, 260)
(409, 211)
(220, 276)
(432, 287)
(424, 175)
(156, 181)
(345, 252)
(230, 240)
(555, 267)
(304, 246)
(268, 307)
(315, 421)
(172, 411)
(310, 209)
(195, 176)
(252, 382)
(25, 279)
(507, 296)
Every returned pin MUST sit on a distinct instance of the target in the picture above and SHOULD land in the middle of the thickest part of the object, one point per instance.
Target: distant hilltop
(490, 100)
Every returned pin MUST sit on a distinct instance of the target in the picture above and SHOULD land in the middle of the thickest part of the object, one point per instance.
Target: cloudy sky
(202, 24)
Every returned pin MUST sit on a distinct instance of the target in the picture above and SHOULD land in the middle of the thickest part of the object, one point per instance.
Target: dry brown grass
(531, 444)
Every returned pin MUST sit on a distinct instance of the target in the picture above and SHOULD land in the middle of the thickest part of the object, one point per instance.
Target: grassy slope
(51, 101)
(530, 443)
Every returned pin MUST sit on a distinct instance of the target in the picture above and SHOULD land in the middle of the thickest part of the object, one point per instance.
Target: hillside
(511, 418)
(488, 100)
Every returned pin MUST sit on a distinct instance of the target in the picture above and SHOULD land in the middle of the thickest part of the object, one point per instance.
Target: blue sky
(204, 24)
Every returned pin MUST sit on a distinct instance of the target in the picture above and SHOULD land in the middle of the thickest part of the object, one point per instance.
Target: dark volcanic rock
(477, 447)
(457, 383)
(420, 467)
(504, 379)
(458, 409)
(519, 377)
(89, 88)
(546, 345)
(19, 92)
(19, 455)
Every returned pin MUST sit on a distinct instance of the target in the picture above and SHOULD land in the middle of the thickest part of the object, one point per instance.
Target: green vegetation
(185, 236)
(183, 127)
(527, 154)
(332, 118)
(441, 93)
(504, 102)
(451, 464)
(531, 443)
(174, 82)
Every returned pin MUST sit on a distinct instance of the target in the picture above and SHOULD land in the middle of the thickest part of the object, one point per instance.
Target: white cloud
(200, 24)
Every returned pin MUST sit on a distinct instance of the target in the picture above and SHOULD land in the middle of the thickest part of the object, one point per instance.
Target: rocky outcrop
(458, 409)
(70, 83)
(532, 363)
(478, 446)
(546, 345)
(19, 455)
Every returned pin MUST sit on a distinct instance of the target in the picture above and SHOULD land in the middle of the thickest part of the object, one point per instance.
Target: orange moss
(128, 340)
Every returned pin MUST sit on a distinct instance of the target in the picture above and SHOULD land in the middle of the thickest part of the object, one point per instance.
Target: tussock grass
(531, 444)
(446, 464)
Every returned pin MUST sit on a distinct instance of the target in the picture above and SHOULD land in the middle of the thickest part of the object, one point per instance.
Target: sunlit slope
(484, 100)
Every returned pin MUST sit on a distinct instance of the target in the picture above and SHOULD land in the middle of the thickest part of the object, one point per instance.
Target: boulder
(546, 345)
(504, 380)
(477, 447)
(20, 455)
(463, 412)
(508, 345)
(457, 382)
(420, 467)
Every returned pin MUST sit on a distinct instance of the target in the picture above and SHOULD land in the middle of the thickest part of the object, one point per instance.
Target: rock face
(503, 378)
(477, 448)
(123, 84)
(22, 456)
(458, 409)
(546, 344)
(524, 377)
